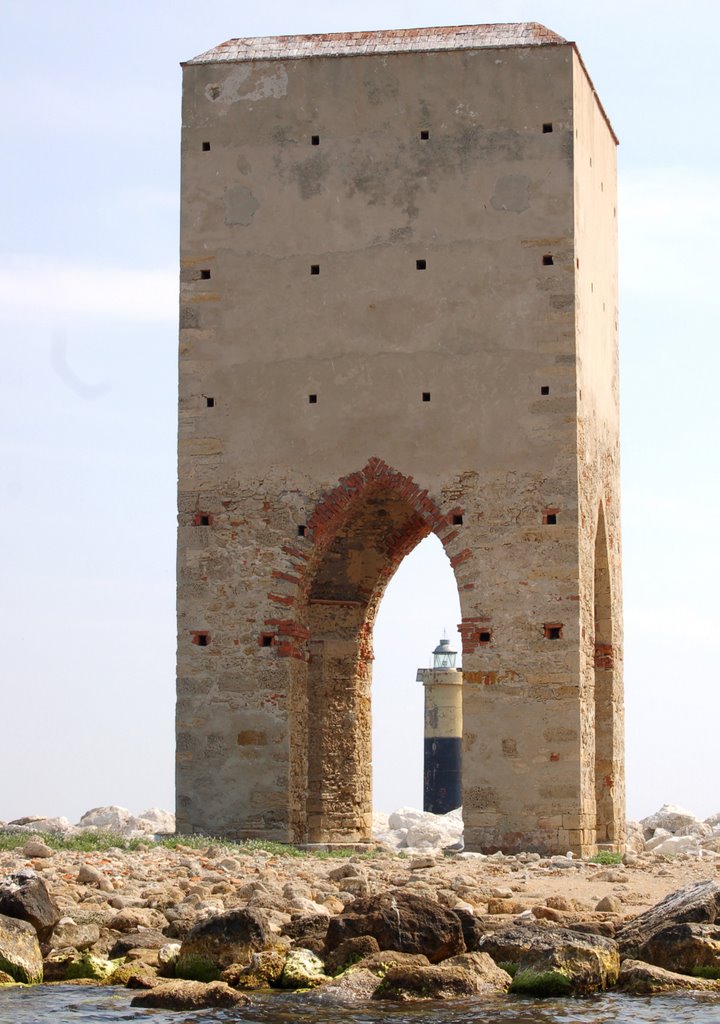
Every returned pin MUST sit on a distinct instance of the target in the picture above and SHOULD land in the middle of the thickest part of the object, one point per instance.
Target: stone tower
(378, 228)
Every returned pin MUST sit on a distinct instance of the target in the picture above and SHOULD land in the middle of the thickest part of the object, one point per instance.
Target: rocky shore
(203, 923)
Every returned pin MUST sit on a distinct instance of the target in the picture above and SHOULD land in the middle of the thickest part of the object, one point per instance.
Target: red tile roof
(406, 40)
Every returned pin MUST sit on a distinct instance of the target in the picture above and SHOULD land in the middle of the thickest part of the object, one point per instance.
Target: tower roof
(404, 40)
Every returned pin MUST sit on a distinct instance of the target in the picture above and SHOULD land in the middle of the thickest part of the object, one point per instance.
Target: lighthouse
(442, 776)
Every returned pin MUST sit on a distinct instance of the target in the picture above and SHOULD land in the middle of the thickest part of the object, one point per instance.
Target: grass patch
(606, 857)
(509, 967)
(540, 983)
(100, 842)
(706, 972)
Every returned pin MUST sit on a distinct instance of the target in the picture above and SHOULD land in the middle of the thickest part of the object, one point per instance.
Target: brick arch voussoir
(331, 513)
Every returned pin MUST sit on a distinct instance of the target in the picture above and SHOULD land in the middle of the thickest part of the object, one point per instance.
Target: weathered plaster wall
(294, 513)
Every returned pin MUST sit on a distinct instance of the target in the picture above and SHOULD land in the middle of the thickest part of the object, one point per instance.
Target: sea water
(66, 1004)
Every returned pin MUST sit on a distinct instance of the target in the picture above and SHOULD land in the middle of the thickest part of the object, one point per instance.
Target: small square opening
(420, 264)
(547, 127)
(548, 260)
(210, 402)
(550, 519)
(206, 147)
(314, 140)
(545, 390)
(203, 519)
(302, 530)
(426, 396)
(457, 520)
(266, 640)
(205, 275)
(485, 636)
(424, 135)
(553, 630)
(201, 639)
(312, 399)
(315, 269)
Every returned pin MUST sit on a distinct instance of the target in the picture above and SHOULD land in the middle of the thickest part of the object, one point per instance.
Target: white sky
(90, 167)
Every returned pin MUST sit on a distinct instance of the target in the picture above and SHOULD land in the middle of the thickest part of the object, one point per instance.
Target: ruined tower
(378, 227)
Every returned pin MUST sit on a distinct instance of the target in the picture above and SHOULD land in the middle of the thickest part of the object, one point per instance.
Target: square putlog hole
(550, 517)
(548, 260)
(553, 630)
(266, 639)
(201, 639)
(485, 636)
(203, 519)
(424, 135)
(206, 147)
(205, 275)
(544, 390)
(302, 530)
(547, 127)
(210, 402)
(314, 269)
(314, 140)
(421, 264)
(457, 520)
(426, 396)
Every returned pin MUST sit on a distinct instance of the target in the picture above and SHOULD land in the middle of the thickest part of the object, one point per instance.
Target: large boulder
(108, 819)
(263, 971)
(156, 820)
(20, 955)
(143, 938)
(469, 974)
(401, 920)
(697, 903)
(423, 830)
(684, 948)
(131, 918)
(303, 969)
(350, 952)
(223, 940)
(355, 986)
(24, 895)
(673, 819)
(640, 979)
(307, 931)
(190, 995)
(68, 934)
(587, 962)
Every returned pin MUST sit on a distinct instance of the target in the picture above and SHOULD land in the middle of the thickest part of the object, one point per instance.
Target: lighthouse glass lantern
(444, 656)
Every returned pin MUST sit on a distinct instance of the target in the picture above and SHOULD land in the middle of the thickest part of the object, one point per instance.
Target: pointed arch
(606, 754)
(360, 531)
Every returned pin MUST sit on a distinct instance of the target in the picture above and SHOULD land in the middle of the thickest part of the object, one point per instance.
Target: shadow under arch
(361, 531)
(608, 738)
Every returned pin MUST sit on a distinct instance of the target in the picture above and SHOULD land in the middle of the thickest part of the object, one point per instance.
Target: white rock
(673, 845)
(112, 818)
(659, 836)
(162, 821)
(713, 821)
(671, 817)
(53, 825)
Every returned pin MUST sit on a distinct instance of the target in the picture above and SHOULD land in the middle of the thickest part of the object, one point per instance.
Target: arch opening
(604, 690)
(421, 603)
(331, 726)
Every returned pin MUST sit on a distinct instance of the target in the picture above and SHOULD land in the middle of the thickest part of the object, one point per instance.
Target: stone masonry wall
(385, 333)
